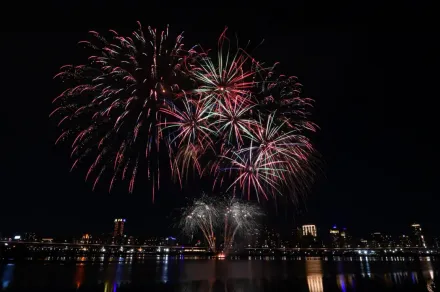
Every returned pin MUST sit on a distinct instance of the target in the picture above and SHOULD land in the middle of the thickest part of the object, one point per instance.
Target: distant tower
(119, 227)
(418, 238)
(309, 230)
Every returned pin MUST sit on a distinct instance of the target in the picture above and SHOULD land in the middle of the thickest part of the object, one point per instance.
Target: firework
(209, 215)
(280, 142)
(226, 75)
(233, 120)
(222, 112)
(111, 108)
(203, 215)
(190, 122)
(252, 172)
(239, 217)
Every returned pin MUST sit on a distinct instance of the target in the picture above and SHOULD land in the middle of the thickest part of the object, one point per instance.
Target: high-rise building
(418, 238)
(346, 239)
(269, 238)
(30, 237)
(339, 237)
(404, 241)
(119, 227)
(335, 237)
(296, 237)
(377, 240)
(309, 230)
(254, 238)
(86, 238)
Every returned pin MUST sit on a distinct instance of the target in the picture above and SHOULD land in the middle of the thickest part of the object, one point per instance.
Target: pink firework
(230, 75)
(224, 115)
(111, 108)
(252, 174)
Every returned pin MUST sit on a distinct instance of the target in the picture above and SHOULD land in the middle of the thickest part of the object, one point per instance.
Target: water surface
(203, 274)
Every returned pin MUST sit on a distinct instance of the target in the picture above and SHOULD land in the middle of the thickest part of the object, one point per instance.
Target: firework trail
(203, 215)
(240, 217)
(111, 108)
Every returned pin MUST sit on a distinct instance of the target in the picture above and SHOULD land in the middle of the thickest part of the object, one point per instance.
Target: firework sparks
(253, 172)
(233, 120)
(143, 93)
(239, 217)
(191, 122)
(226, 76)
(209, 215)
(202, 215)
(112, 105)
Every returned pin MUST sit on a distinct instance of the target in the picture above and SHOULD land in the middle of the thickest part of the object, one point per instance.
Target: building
(296, 237)
(418, 240)
(269, 238)
(339, 237)
(254, 238)
(30, 237)
(404, 241)
(309, 230)
(363, 243)
(346, 239)
(335, 237)
(86, 238)
(119, 227)
(380, 240)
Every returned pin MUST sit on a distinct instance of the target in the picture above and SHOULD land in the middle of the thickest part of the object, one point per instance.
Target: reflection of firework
(202, 215)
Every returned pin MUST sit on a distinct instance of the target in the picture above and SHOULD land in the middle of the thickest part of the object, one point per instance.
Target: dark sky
(372, 70)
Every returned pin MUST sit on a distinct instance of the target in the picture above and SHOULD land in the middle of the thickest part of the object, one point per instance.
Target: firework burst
(111, 108)
(233, 119)
(251, 172)
(227, 114)
(231, 74)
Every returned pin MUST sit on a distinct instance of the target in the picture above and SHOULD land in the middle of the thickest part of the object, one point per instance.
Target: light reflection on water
(7, 275)
(246, 274)
(314, 275)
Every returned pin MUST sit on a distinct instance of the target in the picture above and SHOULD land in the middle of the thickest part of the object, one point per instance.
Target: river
(164, 273)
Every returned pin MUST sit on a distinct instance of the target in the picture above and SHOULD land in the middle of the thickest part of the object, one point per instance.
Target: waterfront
(167, 273)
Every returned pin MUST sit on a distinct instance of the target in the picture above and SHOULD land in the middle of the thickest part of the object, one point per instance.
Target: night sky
(375, 83)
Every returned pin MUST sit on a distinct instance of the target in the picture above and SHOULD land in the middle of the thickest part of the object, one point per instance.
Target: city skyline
(333, 236)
